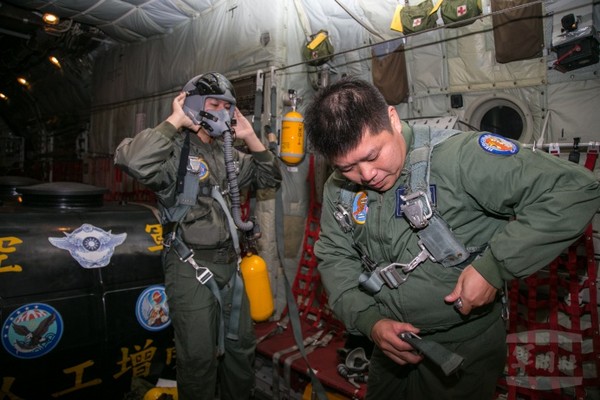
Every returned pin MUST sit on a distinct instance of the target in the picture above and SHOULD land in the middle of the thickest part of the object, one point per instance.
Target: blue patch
(497, 144)
(203, 171)
(360, 207)
(92, 247)
(399, 202)
(152, 309)
(198, 166)
(32, 330)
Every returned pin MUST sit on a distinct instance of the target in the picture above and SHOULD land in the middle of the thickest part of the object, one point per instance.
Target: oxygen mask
(216, 122)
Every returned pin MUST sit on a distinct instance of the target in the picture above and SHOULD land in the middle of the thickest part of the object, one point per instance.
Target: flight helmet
(209, 85)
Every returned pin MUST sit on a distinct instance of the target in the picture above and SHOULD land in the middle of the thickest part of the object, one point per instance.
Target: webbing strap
(291, 349)
(258, 102)
(214, 288)
(183, 159)
(292, 307)
(287, 364)
(418, 160)
(238, 284)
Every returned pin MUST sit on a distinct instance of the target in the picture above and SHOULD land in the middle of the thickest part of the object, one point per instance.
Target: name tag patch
(399, 202)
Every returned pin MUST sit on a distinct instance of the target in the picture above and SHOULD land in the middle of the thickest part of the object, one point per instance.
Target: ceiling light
(3, 96)
(23, 81)
(50, 19)
(55, 61)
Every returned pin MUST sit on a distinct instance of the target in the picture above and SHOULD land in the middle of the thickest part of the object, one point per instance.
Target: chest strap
(436, 239)
(435, 236)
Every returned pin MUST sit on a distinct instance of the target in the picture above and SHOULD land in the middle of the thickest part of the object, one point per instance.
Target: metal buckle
(203, 274)
(421, 257)
(391, 276)
(343, 218)
(417, 209)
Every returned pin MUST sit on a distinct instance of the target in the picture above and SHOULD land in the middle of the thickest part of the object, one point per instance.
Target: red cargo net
(553, 339)
(307, 289)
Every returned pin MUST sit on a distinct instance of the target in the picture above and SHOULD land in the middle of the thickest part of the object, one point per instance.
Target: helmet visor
(210, 85)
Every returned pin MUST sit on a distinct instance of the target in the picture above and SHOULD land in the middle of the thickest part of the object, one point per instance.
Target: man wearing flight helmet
(214, 337)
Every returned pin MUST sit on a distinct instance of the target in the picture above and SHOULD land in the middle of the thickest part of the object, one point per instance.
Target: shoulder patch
(360, 207)
(497, 144)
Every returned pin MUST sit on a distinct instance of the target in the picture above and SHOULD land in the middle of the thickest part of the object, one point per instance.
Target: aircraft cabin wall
(527, 99)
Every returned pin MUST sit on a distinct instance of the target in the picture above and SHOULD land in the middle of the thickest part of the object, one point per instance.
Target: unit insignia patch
(32, 330)
(497, 144)
(360, 207)
(152, 309)
(92, 247)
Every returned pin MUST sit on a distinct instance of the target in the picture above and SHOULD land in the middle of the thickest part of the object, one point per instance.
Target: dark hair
(339, 114)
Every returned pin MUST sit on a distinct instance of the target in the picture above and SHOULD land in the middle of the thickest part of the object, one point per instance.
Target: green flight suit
(152, 157)
(525, 207)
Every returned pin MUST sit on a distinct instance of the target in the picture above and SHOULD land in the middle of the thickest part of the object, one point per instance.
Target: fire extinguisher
(258, 286)
(292, 134)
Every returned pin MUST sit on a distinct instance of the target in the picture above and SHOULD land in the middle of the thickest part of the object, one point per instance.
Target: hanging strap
(291, 301)
(238, 284)
(183, 160)
(258, 102)
(303, 19)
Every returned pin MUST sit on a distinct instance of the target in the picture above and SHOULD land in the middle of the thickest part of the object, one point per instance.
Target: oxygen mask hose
(234, 190)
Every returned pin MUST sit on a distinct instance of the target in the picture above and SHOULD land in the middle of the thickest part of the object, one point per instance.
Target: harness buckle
(420, 258)
(343, 218)
(417, 208)
(203, 274)
(391, 276)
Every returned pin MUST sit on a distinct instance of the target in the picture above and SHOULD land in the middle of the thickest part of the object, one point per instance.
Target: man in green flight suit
(187, 161)
(511, 211)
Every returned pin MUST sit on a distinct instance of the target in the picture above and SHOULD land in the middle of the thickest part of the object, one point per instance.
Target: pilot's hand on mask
(243, 127)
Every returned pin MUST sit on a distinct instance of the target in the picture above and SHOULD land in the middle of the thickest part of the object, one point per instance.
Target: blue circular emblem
(32, 330)
(497, 144)
(360, 207)
(152, 310)
(203, 171)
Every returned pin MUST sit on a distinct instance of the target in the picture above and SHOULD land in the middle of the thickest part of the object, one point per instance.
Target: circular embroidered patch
(497, 144)
(152, 310)
(360, 207)
(204, 173)
(32, 330)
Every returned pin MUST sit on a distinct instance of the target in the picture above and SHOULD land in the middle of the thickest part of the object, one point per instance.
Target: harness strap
(238, 283)
(203, 275)
(183, 159)
(287, 364)
(291, 349)
(433, 231)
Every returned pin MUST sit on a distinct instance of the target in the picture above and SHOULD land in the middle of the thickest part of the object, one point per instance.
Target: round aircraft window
(502, 114)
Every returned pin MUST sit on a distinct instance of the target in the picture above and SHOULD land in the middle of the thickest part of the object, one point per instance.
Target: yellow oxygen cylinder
(162, 393)
(292, 138)
(258, 287)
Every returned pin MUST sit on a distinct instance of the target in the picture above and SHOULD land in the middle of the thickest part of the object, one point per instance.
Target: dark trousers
(195, 315)
(484, 360)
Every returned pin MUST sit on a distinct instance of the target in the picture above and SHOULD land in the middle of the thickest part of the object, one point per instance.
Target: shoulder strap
(425, 139)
